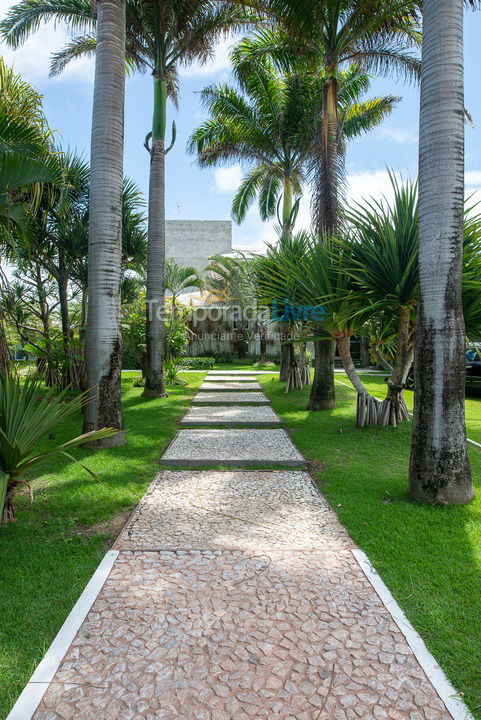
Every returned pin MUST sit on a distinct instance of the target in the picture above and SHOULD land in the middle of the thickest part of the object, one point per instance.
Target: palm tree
(160, 37)
(178, 278)
(439, 468)
(273, 124)
(383, 266)
(380, 36)
(103, 346)
(231, 281)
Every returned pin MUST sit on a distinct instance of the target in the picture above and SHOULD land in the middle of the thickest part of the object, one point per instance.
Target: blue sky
(207, 194)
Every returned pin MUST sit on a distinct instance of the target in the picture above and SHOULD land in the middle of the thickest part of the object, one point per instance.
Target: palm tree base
(389, 412)
(451, 494)
(114, 441)
(154, 391)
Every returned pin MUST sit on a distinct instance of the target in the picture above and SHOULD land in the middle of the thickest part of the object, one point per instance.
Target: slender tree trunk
(4, 350)
(50, 378)
(367, 406)
(64, 314)
(382, 362)
(439, 469)
(343, 345)
(325, 210)
(285, 353)
(103, 350)
(323, 391)
(81, 335)
(155, 305)
(364, 358)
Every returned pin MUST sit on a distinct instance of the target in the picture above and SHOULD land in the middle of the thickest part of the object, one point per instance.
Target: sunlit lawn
(430, 557)
(49, 554)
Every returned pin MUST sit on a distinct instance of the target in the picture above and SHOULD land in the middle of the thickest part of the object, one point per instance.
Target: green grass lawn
(430, 557)
(50, 553)
(244, 365)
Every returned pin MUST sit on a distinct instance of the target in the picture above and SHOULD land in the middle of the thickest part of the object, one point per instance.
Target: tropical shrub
(198, 363)
(26, 416)
(172, 367)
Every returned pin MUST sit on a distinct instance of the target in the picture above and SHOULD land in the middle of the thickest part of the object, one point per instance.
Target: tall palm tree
(439, 468)
(272, 123)
(104, 345)
(380, 36)
(160, 38)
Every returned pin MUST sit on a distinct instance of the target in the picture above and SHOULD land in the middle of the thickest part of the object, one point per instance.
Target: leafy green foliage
(25, 417)
(272, 123)
(198, 363)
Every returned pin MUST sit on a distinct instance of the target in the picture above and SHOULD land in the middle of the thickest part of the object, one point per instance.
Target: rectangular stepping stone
(230, 398)
(231, 378)
(246, 509)
(226, 386)
(233, 415)
(198, 448)
(242, 372)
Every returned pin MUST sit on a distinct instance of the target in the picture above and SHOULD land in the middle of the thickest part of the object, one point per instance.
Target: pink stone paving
(232, 635)
(236, 596)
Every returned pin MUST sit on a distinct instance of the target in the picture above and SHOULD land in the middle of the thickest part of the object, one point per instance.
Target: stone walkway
(236, 595)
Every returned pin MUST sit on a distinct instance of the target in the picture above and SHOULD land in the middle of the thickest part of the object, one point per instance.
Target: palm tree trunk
(44, 313)
(64, 314)
(367, 406)
(287, 206)
(323, 391)
(330, 162)
(103, 350)
(4, 350)
(154, 378)
(326, 219)
(439, 468)
(285, 353)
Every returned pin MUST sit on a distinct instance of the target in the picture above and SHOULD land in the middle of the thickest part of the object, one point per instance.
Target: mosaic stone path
(236, 596)
(230, 398)
(232, 416)
(234, 385)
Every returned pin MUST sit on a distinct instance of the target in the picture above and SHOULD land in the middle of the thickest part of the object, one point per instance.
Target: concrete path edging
(45, 671)
(436, 675)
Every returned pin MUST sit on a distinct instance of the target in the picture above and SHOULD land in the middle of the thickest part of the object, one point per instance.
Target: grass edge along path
(50, 553)
(429, 557)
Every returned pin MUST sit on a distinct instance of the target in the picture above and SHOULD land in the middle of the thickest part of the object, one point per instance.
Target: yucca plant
(172, 367)
(26, 416)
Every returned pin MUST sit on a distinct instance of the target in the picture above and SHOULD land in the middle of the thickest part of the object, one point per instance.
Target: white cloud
(472, 179)
(32, 60)
(399, 135)
(227, 180)
(218, 63)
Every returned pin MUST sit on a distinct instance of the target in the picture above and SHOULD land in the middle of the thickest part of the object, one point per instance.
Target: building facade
(193, 242)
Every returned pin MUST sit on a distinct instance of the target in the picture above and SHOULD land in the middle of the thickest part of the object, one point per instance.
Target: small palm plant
(26, 416)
